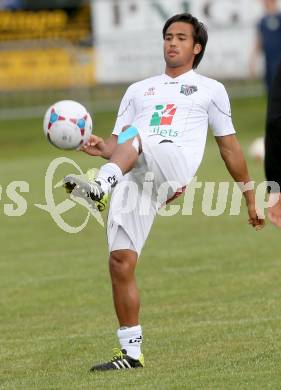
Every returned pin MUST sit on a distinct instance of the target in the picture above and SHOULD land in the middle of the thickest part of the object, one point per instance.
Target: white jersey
(178, 109)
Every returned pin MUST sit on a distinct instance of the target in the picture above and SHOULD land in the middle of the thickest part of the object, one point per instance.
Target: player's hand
(255, 218)
(274, 211)
(94, 147)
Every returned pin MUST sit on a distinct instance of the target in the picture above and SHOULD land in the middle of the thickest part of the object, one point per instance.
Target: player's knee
(131, 134)
(121, 264)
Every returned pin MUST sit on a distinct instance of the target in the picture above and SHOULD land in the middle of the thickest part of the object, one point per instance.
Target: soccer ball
(67, 124)
(256, 149)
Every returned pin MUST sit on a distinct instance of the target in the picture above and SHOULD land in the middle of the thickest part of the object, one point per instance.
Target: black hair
(200, 34)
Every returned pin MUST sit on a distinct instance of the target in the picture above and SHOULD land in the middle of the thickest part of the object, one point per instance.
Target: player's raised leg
(123, 159)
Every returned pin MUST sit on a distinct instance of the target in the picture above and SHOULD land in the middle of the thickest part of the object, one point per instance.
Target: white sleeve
(219, 112)
(126, 112)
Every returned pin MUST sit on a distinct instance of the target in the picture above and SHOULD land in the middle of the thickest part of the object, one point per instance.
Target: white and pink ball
(67, 124)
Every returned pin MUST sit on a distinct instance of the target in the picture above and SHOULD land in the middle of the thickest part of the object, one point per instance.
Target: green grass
(210, 287)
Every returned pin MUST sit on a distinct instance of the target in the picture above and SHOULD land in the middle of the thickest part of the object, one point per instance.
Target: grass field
(210, 287)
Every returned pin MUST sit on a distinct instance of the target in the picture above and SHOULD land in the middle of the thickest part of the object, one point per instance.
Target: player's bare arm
(235, 162)
(97, 146)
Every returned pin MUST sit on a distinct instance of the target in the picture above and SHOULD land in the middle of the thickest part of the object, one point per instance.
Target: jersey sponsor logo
(150, 91)
(163, 115)
(188, 89)
(163, 132)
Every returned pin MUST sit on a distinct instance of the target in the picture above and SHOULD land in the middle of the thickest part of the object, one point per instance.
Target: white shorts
(162, 171)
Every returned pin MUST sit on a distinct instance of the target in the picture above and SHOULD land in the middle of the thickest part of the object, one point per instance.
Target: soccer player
(161, 128)
(268, 41)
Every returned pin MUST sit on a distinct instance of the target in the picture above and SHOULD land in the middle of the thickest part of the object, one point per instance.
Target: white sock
(131, 339)
(108, 176)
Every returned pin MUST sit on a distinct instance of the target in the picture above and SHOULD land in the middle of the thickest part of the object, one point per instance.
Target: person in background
(10, 4)
(268, 41)
(273, 148)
